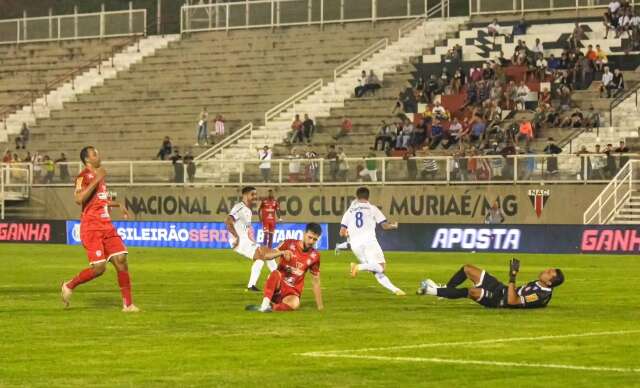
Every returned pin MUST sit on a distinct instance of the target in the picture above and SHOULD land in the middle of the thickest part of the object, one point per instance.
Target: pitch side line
(476, 362)
(479, 342)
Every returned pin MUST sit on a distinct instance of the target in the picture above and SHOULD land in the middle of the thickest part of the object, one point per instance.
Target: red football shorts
(101, 245)
(269, 226)
(284, 290)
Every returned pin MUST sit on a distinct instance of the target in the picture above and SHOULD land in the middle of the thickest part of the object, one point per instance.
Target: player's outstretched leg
(256, 269)
(270, 287)
(343, 246)
(83, 276)
(124, 281)
(378, 270)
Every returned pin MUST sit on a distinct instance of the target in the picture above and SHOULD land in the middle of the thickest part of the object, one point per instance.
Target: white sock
(256, 268)
(371, 267)
(385, 282)
(432, 291)
(272, 265)
(266, 303)
(343, 245)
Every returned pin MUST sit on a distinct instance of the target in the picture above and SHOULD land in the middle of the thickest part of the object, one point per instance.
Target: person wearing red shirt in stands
(269, 213)
(98, 235)
(284, 286)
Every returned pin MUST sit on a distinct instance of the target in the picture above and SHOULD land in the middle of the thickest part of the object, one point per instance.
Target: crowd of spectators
(203, 137)
(44, 167)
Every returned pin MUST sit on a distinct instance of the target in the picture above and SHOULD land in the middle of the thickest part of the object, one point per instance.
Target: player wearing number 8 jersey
(359, 224)
(97, 233)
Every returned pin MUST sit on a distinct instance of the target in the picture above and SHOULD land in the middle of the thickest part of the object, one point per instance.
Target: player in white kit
(238, 225)
(359, 224)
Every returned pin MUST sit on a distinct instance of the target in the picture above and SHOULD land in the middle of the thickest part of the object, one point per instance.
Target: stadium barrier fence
(437, 170)
(33, 231)
(493, 7)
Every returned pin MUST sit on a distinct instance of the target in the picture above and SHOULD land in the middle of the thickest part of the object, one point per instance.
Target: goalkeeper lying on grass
(490, 292)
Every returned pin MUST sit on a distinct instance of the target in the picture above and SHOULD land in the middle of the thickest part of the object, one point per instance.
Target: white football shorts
(246, 247)
(369, 252)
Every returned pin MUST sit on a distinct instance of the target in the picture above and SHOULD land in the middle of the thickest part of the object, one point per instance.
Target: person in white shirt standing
(238, 225)
(265, 165)
(359, 225)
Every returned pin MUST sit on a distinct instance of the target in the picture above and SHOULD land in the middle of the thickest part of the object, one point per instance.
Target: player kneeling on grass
(284, 286)
(490, 292)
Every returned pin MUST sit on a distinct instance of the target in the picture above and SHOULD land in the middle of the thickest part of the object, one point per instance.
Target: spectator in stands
(294, 165)
(439, 112)
(576, 36)
(542, 67)
(372, 84)
(384, 137)
(621, 150)
(544, 100)
(63, 167)
(493, 29)
(296, 135)
(191, 166)
(525, 131)
(607, 77)
(23, 138)
(616, 85)
(49, 169)
(265, 156)
(203, 133)
(430, 89)
(494, 215)
(437, 134)
(358, 91)
(592, 120)
(311, 169)
(36, 160)
(586, 69)
(165, 149)
(611, 168)
(538, 48)
(552, 161)
(520, 28)
(430, 168)
(7, 158)
(598, 164)
(345, 128)
(308, 127)
(454, 135)
(403, 139)
(178, 167)
(370, 167)
(576, 120)
(601, 59)
(343, 165)
(624, 24)
(478, 127)
(607, 20)
(614, 6)
(332, 157)
(521, 93)
(458, 82)
(218, 125)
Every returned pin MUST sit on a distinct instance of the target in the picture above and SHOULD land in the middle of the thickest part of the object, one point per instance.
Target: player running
(283, 288)
(269, 212)
(359, 225)
(238, 224)
(97, 233)
(490, 292)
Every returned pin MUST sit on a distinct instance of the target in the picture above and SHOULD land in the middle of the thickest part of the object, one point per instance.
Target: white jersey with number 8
(361, 220)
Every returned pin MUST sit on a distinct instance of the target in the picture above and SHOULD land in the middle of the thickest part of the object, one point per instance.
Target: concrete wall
(563, 204)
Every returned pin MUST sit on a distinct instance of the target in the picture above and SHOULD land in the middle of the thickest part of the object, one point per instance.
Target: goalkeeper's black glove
(514, 268)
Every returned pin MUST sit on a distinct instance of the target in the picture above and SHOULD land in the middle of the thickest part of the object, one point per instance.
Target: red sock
(125, 287)
(282, 307)
(272, 284)
(84, 276)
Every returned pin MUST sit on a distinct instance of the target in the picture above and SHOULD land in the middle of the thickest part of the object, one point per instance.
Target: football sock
(84, 276)
(451, 293)
(282, 307)
(256, 268)
(272, 265)
(457, 279)
(343, 245)
(371, 267)
(385, 282)
(124, 281)
(266, 302)
(271, 285)
(270, 239)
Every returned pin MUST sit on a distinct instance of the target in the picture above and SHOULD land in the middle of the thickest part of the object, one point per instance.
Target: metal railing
(15, 182)
(423, 170)
(277, 13)
(73, 26)
(291, 101)
(226, 142)
(620, 99)
(613, 196)
(492, 7)
(359, 58)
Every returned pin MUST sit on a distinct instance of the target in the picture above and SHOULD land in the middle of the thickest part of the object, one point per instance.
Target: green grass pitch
(193, 330)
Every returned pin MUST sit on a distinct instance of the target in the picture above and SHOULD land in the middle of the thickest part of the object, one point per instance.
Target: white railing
(276, 13)
(492, 7)
(15, 182)
(360, 57)
(613, 196)
(442, 170)
(226, 142)
(73, 26)
(291, 101)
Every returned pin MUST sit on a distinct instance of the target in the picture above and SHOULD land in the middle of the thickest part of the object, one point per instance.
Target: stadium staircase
(14, 186)
(619, 201)
(83, 83)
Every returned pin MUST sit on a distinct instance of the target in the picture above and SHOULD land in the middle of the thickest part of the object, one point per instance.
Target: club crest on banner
(539, 200)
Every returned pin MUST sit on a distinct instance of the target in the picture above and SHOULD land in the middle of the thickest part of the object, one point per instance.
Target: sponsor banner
(211, 235)
(604, 239)
(32, 231)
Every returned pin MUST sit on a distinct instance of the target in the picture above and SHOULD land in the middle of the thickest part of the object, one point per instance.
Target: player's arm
(317, 291)
(344, 232)
(382, 220)
(513, 299)
(385, 225)
(122, 207)
(260, 212)
(81, 195)
(229, 222)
